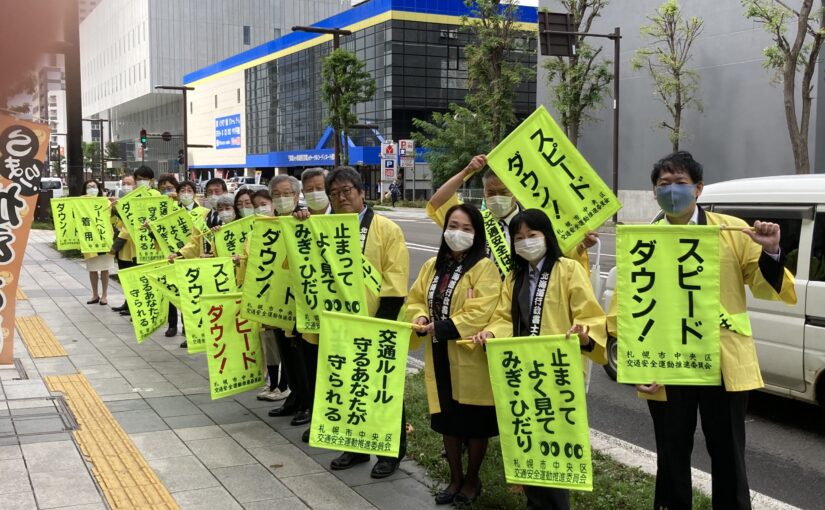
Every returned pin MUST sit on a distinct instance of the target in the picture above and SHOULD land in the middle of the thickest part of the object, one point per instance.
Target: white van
(790, 340)
(54, 184)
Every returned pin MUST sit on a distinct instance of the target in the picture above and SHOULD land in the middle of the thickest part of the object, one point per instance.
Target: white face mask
(531, 249)
(317, 200)
(283, 205)
(264, 210)
(91, 192)
(226, 216)
(458, 240)
(126, 188)
(212, 201)
(247, 211)
(499, 205)
(186, 199)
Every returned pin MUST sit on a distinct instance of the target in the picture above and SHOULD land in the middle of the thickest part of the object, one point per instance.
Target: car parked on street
(55, 184)
(790, 340)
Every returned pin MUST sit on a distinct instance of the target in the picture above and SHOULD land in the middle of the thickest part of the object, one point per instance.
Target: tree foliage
(91, 156)
(671, 38)
(793, 51)
(345, 84)
(579, 83)
(113, 150)
(495, 68)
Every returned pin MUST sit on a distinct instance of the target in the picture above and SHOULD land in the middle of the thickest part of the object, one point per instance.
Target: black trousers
(173, 316)
(723, 423)
(546, 498)
(125, 264)
(292, 360)
(310, 353)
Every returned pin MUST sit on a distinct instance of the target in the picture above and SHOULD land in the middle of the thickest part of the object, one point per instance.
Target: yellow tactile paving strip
(121, 471)
(20, 295)
(38, 338)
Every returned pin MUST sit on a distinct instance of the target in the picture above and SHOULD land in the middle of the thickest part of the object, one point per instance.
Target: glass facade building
(414, 49)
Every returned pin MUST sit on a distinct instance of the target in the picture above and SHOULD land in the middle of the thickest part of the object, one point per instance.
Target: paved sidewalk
(226, 454)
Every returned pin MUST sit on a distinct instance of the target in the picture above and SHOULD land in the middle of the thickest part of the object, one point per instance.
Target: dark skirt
(466, 420)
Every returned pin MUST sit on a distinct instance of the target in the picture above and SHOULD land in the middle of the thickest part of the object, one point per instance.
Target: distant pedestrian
(97, 264)
(395, 191)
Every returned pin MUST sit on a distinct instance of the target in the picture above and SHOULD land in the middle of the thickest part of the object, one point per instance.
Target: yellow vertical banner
(233, 347)
(195, 278)
(172, 231)
(324, 254)
(362, 363)
(148, 307)
(65, 230)
(126, 211)
(22, 153)
(198, 215)
(230, 238)
(538, 387)
(166, 275)
(93, 223)
(149, 209)
(544, 170)
(267, 295)
(667, 291)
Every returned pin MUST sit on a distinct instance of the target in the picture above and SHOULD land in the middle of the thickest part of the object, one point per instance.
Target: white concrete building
(129, 47)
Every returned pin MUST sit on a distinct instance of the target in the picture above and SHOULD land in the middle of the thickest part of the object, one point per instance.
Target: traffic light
(180, 157)
(143, 138)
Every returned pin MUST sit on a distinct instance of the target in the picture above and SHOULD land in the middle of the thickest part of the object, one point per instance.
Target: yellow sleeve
(439, 215)
(585, 310)
(417, 305)
(475, 313)
(501, 323)
(240, 270)
(580, 255)
(749, 253)
(395, 266)
(194, 248)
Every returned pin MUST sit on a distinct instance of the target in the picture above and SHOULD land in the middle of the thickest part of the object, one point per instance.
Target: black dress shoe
(384, 468)
(284, 410)
(461, 500)
(302, 418)
(171, 332)
(444, 497)
(125, 313)
(120, 308)
(305, 436)
(183, 344)
(348, 459)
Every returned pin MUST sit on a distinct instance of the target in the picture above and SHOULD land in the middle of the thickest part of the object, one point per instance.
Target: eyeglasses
(341, 193)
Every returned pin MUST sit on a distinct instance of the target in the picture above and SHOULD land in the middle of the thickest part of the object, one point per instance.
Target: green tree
(790, 54)
(91, 156)
(57, 166)
(345, 84)
(578, 83)
(671, 36)
(496, 58)
(113, 151)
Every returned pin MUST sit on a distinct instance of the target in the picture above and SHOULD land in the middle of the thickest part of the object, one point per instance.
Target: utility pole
(186, 145)
(335, 33)
(74, 100)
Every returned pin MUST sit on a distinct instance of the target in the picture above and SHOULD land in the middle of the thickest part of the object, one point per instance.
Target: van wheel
(820, 390)
(612, 357)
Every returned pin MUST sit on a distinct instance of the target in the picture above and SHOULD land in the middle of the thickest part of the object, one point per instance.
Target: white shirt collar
(694, 220)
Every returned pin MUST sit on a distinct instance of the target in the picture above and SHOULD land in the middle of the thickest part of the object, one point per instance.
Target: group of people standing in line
(465, 292)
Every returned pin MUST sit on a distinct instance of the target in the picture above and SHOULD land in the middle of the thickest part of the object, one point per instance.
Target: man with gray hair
(284, 190)
(315, 192)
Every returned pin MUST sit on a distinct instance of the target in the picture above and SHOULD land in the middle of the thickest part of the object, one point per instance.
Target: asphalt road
(785, 438)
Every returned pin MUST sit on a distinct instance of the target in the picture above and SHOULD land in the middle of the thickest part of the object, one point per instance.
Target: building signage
(228, 132)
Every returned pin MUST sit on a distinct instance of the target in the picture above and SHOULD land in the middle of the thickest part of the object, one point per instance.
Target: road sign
(389, 150)
(406, 147)
(407, 161)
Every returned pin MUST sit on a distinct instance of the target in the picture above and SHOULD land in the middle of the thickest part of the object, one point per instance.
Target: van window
(817, 272)
(790, 228)
(50, 184)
